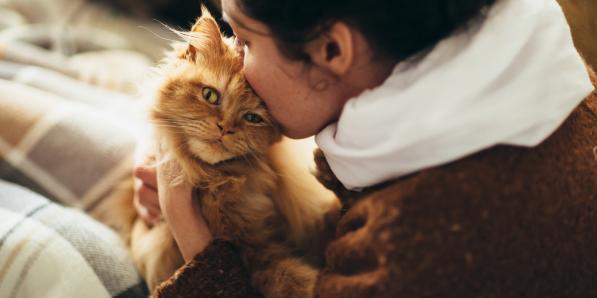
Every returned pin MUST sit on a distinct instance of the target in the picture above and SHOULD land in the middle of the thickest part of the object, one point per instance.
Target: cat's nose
(224, 131)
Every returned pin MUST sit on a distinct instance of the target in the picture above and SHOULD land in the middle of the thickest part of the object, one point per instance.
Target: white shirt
(511, 79)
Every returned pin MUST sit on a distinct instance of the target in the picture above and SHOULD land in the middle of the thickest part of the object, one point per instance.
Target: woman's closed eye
(240, 43)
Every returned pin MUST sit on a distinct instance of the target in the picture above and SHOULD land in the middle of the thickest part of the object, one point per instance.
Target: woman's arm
(157, 197)
(181, 212)
(213, 267)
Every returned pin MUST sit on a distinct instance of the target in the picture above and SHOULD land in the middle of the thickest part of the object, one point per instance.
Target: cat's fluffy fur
(249, 190)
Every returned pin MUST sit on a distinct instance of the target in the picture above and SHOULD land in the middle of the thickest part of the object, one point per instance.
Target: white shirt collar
(511, 79)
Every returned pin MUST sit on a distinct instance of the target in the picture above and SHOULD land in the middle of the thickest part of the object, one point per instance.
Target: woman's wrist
(191, 235)
(176, 200)
(187, 226)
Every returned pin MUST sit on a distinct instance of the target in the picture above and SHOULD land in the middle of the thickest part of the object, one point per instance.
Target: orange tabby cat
(250, 192)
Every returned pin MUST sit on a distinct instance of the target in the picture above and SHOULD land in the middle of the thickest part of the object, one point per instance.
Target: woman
(457, 135)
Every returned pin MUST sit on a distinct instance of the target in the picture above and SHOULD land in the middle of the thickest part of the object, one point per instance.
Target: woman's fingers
(144, 214)
(173, 191)
(146, 201)
(148, 197)
(148, 175)
(147, 204)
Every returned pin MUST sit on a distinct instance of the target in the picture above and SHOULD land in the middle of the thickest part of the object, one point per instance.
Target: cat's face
(207, 105)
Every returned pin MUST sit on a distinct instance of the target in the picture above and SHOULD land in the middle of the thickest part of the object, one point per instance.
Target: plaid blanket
(75, 153)
(47, 250)
(68, 127)
(65, 150)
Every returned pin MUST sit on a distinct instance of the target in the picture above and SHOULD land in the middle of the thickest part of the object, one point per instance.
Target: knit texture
(216, 272)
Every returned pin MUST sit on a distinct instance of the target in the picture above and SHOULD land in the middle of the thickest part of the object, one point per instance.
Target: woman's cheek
(254, 74)
(260, 73)
(251, 74)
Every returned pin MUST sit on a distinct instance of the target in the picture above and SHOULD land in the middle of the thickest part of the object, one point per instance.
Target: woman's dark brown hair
(396, 29)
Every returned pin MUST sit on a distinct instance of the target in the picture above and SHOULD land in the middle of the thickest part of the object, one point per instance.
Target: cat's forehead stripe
(228, 82)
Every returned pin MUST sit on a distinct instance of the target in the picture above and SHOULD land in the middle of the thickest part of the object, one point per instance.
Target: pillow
(47, 250)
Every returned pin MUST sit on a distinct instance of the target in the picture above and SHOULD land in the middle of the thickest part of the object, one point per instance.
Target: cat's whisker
(156, 34)
(171, 123)
(174, 129)
(166, 125)
(196, 127)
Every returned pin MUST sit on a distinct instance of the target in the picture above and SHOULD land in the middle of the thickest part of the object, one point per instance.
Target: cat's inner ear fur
(204, 37)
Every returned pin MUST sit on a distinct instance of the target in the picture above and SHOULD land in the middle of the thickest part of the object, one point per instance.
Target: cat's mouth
(219, 145)
(216, 143)
(211, 151)
(200, 144)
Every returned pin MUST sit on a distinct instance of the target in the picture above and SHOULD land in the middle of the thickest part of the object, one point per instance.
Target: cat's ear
(206, 23)
(205, 36)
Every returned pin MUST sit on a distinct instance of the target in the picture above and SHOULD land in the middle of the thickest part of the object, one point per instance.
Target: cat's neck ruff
(511, 78)
(246, 166)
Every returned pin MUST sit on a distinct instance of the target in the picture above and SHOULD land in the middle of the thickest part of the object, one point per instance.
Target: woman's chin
(298, 133)
(295, 135)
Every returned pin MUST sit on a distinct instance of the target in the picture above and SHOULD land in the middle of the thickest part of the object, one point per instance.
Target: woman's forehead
(238, 20)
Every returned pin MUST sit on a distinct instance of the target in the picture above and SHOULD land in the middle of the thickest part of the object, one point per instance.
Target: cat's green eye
(253, 118)
(210, 95)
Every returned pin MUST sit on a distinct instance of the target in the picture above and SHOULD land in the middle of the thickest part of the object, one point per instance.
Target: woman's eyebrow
(228, 19)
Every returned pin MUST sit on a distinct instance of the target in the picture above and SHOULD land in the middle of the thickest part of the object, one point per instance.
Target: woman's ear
(334, 50)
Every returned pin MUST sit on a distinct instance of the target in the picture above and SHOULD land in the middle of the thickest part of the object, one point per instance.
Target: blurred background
(103, 43)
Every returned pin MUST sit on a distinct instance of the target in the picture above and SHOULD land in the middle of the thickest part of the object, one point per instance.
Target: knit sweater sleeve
(216, 272)
(393, 244)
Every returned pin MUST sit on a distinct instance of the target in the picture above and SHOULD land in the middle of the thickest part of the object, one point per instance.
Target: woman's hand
(146, 191)
(180, 210)
(157, 197)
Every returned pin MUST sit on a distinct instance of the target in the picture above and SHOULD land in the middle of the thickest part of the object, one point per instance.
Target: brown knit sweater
(505, 222)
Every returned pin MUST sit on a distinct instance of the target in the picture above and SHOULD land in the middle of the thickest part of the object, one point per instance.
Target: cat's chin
(209, 152)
